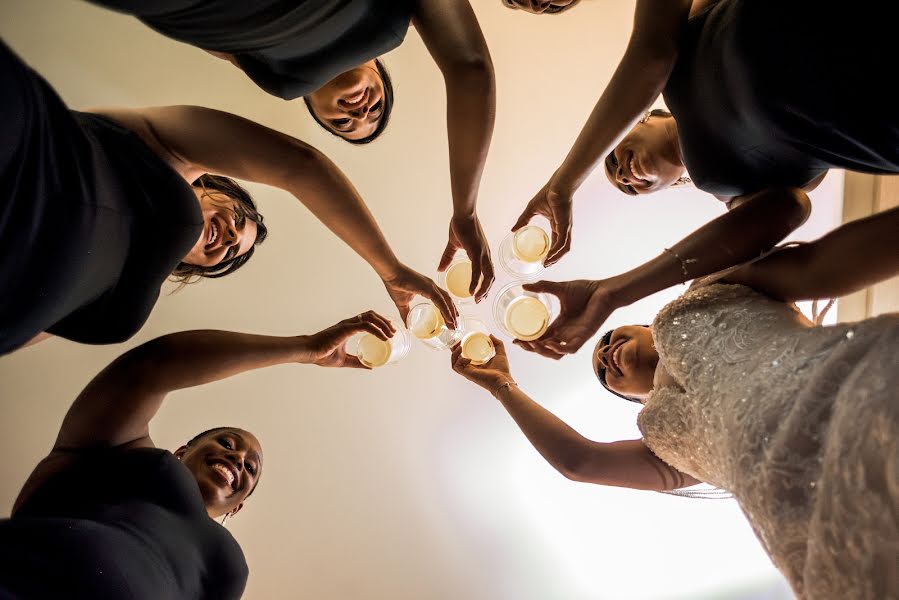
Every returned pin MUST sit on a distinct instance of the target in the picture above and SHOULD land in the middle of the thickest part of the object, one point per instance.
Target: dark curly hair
(245, 207)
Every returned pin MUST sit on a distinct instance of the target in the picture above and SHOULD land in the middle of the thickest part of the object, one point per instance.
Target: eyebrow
(252, 453)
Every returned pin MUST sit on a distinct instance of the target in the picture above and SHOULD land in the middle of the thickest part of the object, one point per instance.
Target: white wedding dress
(800, 423)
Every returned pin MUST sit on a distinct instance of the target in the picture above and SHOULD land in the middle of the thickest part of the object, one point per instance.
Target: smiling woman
(355, 105)
(140, 524)
(233, 227)
(97, 211)
(327, 51)
(739, 390)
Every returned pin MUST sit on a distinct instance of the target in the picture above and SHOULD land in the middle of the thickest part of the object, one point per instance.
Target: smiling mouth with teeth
(633, 165)
(213, 232)
(225, 472)
(355, 101)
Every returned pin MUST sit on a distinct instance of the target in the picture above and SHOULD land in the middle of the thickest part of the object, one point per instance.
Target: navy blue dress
(289, 48)
(773, 93)
(123, 525)
(92, 221)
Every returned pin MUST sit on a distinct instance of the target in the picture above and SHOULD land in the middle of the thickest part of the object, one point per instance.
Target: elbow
(800, 207)
(474, 72)
(573, 466)
(142, 366)
(792, 205)
(302, 163)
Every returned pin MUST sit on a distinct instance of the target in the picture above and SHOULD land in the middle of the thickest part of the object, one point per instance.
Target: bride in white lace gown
(799, 422)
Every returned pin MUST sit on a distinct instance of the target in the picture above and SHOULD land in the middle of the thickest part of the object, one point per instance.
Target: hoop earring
(227, 514)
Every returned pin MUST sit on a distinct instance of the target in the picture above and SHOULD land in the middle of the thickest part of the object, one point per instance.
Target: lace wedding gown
(800, 423)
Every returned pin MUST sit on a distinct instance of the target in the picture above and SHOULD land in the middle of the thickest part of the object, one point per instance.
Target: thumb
(524, 219)
(542, 286)
(448, 254)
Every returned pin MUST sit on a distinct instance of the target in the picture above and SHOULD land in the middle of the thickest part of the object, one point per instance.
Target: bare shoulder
(141, 122)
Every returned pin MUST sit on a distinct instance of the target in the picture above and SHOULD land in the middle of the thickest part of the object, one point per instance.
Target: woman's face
(227, 232)
(352, 104)
(647, 159)
(628, 359)
(227, 464)
(539, 7)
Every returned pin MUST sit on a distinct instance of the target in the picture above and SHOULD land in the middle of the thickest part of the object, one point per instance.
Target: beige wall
(404, 483)
(865, 195)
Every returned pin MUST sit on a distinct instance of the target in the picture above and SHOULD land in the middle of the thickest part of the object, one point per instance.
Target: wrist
(389, 270)
(619, 290)
(563, 183)
(502, 384)
(465, 215)
(300, 346)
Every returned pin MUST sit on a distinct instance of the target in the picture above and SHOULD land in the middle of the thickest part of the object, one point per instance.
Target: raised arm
(452, 35)
(623, 464)
(201, 140)
(639, 79)
(117, 406)
(743, 233)
(849, 258)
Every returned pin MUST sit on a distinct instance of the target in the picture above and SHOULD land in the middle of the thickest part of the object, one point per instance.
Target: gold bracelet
(507, 384)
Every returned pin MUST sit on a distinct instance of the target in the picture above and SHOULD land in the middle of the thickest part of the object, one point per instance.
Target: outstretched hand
(555, 206)
(406, 284)
(327, 347)
(585, 305)
(490, 375)
(466, 234)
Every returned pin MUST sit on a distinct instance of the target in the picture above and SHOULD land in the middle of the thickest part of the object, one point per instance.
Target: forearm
(331, 197)
(561, 446)
(636, 84)
(626, 463)
(117, 406)
(191, 358)
(195, 136)
(453, 37)
(470, 116)
(639, 79)
(847, 259)
(741, 234)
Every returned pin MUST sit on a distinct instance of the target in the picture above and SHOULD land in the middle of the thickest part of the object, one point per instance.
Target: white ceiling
(406, 482)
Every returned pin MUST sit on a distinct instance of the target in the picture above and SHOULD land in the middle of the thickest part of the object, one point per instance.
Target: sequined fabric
(800, 423)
